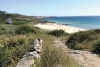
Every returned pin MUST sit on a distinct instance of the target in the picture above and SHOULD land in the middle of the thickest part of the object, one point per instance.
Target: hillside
(16, 39)
(18, 19)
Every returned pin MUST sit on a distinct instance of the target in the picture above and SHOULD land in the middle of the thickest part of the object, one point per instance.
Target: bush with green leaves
(82, 40)
(18, 23)
(10, 56)
(96, 47)
(57, 33)
(97, 31)
(2, 28)
(27, 29)
(15, 46)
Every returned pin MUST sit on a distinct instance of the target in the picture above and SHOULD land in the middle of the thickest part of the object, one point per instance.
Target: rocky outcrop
(34, 54)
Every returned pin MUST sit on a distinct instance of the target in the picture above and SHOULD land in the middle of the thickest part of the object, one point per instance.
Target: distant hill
(18, 17)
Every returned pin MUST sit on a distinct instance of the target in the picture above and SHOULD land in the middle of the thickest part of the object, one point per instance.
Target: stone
(25, 63)
(32, 55)
(37, 45)
(29, 58)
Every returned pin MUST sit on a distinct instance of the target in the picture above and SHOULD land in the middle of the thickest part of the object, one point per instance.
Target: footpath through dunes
(84, 58)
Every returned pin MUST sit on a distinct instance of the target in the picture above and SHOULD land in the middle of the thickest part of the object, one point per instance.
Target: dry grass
(13, 47)
(54, 57)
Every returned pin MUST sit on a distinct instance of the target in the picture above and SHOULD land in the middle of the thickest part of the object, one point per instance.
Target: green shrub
(2, 28)
(57, 33)
(96, 47)
(18, 23)
(26, 29)
(10, 57)
(97, 31)
(76, 38)
(82, 40)
(15, 42)
(15, 46)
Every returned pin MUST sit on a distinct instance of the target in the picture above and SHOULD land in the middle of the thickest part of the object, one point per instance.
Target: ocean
(85, 22)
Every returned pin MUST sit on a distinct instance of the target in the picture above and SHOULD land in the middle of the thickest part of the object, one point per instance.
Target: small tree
(57, 33)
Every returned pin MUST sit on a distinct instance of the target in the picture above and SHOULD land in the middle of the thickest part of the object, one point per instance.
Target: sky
(52, 7)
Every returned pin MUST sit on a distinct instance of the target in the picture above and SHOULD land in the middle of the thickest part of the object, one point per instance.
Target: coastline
(84, 22)
(55, 26)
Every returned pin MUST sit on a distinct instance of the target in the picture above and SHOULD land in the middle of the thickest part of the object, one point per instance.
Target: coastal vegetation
(85, 40)
(16, 39)
(54, 57)
(27, 29)
(14, 45)
(58, 33)
(18, 19)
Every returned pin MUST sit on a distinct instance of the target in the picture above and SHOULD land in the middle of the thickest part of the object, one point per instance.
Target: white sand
(55, 26)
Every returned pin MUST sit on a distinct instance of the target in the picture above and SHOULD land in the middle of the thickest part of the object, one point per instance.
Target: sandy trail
(84, 58)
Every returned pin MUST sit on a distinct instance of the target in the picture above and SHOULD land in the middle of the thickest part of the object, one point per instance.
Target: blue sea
(85, 22)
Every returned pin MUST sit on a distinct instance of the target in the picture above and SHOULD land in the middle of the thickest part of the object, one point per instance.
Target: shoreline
(55, 26)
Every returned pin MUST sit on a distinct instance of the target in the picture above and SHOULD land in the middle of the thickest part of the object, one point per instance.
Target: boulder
(29, 58)
(32, 55)
(36, 45)
(25, 63)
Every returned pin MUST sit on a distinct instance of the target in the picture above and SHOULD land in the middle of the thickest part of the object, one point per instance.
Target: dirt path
(84, 58)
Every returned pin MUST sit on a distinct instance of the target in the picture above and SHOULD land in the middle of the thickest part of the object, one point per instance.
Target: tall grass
(54, 57)
(13, 47)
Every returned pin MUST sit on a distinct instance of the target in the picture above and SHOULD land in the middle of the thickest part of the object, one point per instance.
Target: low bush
(83, 40)
(13, 42)
(57, 33)
(18, 23)
(15, 46)
(97, 31)
(2, 28)
(26, 29)
(10, 57)
(96, 47)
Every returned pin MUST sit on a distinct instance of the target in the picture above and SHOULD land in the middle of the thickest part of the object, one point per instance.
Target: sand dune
(55, 26)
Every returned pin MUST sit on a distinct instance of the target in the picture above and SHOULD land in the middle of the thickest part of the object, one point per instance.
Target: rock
(25, 63)
(37, 41)
(32, 55)
(37, 45)
(29, 58)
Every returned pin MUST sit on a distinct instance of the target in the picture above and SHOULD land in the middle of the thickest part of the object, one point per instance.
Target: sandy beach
(55, 26)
